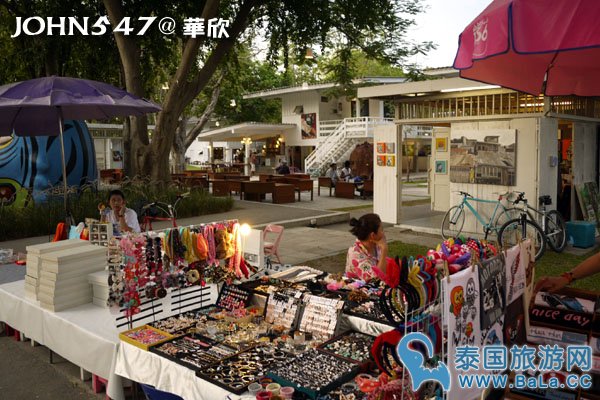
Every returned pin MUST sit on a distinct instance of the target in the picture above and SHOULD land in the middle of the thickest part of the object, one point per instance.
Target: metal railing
(337, 136)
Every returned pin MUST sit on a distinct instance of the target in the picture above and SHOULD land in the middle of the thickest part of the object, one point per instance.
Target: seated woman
(346, 173)
(366, 258)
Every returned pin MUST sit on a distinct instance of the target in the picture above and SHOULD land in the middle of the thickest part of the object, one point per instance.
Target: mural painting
(29, 166)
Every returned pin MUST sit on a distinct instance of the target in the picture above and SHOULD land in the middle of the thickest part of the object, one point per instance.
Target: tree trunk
(136, 140)
(179, 147)
(153, 157)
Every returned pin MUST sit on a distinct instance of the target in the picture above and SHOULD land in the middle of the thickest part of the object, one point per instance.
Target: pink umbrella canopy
(534, 46)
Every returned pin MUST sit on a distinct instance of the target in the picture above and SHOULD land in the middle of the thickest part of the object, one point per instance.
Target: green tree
(375, 26)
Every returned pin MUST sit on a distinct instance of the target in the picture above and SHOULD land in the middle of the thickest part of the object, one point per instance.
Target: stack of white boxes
(100, 289)
(63, 281)
(34, 262)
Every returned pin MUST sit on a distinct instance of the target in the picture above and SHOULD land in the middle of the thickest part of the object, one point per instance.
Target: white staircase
(338, 139)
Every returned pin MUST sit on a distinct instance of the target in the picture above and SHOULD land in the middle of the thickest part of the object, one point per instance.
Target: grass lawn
(190, 167)
(551, 264)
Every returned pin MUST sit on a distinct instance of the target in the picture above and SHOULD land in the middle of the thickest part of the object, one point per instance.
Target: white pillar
(247, 159)
(228, 153)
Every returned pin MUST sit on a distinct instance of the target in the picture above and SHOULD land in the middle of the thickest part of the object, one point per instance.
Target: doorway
(565, 171)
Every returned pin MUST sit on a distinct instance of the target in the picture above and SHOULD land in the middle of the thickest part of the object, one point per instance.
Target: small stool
(99, 384)
(10, 331)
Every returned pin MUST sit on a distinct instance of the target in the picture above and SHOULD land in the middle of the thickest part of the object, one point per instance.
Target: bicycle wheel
(503, 218)
(453, 222)
(556, 231)
(511, 234)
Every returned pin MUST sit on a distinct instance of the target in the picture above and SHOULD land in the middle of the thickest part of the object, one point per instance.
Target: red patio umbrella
(534, 46)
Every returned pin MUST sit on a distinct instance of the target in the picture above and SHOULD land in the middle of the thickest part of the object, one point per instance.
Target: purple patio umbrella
(38, 107)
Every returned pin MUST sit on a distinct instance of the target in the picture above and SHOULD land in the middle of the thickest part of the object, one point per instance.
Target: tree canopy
(194, 67)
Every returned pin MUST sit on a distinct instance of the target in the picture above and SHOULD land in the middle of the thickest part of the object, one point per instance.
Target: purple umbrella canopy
(35, 107)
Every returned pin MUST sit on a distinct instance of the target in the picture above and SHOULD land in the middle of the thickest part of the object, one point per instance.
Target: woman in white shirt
(346, 173)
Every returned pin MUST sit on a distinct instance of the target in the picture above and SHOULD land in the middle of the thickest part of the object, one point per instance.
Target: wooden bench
(283, 193)
(220, 187)
(299, 176)
(303, 185)
(195, 182)
(265, 177)
(257, 191)
(324, 181)
(345, 190)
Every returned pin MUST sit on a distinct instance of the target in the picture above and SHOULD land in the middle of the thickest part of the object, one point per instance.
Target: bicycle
(552, 223)
(454, 219)
(151, 211)
(521, 228)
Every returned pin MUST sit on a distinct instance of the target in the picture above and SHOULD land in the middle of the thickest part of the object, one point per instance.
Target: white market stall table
(85, 335)
(151, 369)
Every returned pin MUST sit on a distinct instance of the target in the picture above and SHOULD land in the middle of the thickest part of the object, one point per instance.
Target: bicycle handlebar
(464, 193)
(520, 198)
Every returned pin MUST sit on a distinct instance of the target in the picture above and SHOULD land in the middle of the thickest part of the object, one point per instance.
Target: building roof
(412, 89)
(497, 159)
(278, 92)
(235, 133)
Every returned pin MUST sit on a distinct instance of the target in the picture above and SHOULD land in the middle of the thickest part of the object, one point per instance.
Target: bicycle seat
(545, 200)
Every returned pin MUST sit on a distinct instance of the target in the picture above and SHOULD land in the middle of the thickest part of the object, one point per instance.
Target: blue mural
(33, 164)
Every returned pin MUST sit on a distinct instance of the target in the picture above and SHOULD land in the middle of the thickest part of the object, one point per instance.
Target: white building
(556, 146)
(315, 129)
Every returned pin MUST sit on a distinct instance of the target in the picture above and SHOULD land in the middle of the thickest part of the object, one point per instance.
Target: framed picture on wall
(390, 148)
(441, 167)
(308, 124)
(381, 147)
(441, 144)
(390, 161)
(381, 161)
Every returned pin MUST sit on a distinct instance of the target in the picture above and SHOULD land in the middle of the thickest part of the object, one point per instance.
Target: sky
(441, 23)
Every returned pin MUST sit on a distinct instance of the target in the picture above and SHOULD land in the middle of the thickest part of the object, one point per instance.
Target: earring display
(320, 316)
(351, 345)
(236, 373)
(314, 373)
(370, 310)
(232, 296)
(282, 310)
(179, 324)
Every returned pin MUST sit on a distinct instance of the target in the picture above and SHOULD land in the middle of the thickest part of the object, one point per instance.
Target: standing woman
(367, 256)
(252, 160)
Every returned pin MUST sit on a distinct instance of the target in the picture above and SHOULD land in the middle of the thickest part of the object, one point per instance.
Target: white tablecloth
(151, 369)
(87, 337)
(84, 335)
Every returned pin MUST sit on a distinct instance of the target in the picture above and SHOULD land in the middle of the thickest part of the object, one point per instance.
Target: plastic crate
(581, 233)
(154, 394)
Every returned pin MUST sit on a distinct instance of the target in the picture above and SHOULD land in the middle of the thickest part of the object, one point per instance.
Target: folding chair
(272, 247)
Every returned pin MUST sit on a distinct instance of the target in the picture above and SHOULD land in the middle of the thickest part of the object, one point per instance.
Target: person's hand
(382, 243)
(551, 284)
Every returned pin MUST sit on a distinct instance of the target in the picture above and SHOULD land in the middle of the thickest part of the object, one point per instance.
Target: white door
(440, 169)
